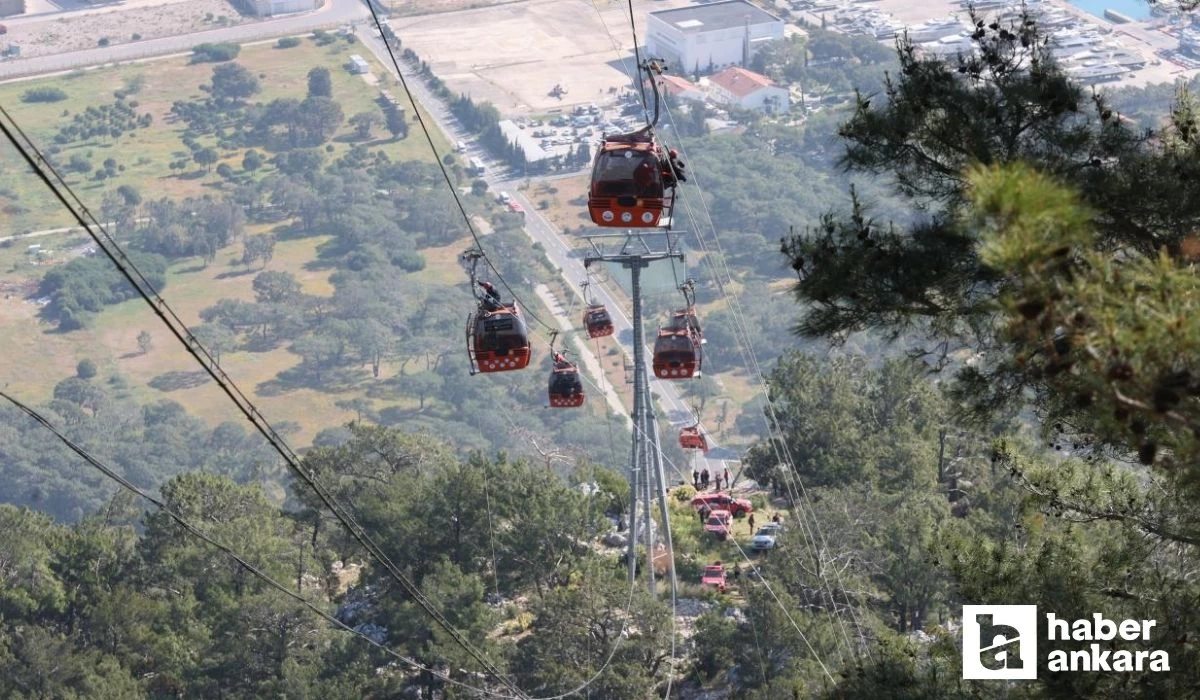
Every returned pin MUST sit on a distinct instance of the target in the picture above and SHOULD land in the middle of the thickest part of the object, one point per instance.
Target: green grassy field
(26, 205)
(36, 357)
(46, 357)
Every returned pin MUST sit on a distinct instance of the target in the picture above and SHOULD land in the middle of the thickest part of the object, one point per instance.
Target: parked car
(765, 538)
(719, 523)
(714, 575)
(720, 499)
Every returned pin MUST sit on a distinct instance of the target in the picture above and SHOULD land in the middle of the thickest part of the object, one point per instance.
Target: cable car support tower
(647, 477)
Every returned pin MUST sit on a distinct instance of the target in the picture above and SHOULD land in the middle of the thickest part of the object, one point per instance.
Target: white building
(272, 8)
(748, 90)
(699, 37)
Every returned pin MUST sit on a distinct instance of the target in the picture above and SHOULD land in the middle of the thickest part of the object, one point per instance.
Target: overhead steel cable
(761, 579)
(255, 571)
(827, 586)
(791, 479)
(746, 349)
(105, 242)
(637, 62)
(442, 166)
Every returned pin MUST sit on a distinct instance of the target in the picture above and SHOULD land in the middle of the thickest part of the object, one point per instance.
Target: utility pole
(647, 477)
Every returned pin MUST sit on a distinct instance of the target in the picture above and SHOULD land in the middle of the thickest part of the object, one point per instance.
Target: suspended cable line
(637, 62)
(110, 473)
(761, 578)
(745, 347)
(442, 166)
(791, 479)
(105, 242)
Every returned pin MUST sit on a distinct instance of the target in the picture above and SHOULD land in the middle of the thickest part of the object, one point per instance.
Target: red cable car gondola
(691, 438)
(677, 353)
(633, 179)
(628, 188)
(566, 388)
(597, 321)
(497, 339)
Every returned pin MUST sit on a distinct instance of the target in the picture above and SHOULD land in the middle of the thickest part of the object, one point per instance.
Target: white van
(460, 147)
(504, 197)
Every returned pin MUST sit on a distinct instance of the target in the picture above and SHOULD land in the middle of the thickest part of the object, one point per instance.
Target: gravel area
(83, 30)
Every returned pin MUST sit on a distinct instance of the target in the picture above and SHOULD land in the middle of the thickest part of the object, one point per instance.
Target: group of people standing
(701, 479)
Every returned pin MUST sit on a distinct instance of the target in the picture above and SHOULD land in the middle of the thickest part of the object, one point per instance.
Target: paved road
(589, 359)
(334, 12)
(542, 231)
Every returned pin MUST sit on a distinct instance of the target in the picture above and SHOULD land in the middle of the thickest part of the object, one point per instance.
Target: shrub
(103, 41)
(287, 42)
(684, 494)
(409, 261)
(86, 369)
(136, 36)
(79, 164)
(215, 53)
(45, 94)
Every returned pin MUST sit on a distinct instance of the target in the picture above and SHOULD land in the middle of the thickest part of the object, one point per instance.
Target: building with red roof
(748, 90)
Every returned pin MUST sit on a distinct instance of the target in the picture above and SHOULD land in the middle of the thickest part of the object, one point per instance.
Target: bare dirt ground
(427, 7)
(513, 54)
(148, 18)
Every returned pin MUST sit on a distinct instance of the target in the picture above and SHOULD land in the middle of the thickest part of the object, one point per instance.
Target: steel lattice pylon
(647, 476)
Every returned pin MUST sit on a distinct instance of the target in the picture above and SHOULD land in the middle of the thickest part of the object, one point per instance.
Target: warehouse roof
(714, 16)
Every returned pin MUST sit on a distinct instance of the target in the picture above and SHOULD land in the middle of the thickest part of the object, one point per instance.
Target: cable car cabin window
(565, 383)
(673, 344)
(628, 173)
(498, 323)
(501, 332)
(673, 351)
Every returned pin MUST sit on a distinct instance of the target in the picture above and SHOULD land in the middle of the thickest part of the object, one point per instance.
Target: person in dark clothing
(775, 518)
(491, 296)
(648, 184)
(750, 520)
(726, 478)
(677, 166)
(695, 478)
(704, 477)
